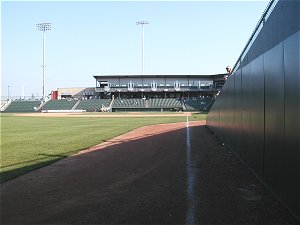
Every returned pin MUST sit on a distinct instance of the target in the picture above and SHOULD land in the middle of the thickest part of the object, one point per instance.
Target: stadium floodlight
(8, 92)
(44, 27)
(23, 90)
(142, 23)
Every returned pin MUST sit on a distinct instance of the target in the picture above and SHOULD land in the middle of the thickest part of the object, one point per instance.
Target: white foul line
(190, 213)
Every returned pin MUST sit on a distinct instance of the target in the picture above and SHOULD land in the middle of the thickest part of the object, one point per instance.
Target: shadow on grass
(11, 174)
(46, 160)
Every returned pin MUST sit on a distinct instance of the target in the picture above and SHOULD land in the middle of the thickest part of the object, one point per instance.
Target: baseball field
(126, 168)
(34, 140)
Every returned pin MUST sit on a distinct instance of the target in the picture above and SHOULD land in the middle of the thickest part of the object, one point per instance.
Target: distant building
(158, 86)
(146, 86)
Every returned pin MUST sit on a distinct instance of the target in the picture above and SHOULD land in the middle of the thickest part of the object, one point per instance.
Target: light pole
(8, 92)
(44, 27)
(142, 23)
(23, 90)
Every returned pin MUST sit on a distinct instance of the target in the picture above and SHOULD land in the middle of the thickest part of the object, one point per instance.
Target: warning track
(142, 178)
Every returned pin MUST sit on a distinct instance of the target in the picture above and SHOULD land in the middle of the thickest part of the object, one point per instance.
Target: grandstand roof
(160, 75)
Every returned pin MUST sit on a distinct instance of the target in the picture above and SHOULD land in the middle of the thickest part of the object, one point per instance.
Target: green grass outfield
(28, 143)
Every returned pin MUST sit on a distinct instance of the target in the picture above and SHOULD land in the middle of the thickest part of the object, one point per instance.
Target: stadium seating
(164, 103)
(137, 104)
(197, 104)
(93, 105)
(59, 104)
(129, 103)
(22, 106)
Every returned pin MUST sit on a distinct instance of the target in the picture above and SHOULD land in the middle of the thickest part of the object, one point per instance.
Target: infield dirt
(128, 114)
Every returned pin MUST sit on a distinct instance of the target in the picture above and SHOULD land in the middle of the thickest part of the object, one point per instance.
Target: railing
(159, 89)
(5, 104)
(254, 34)
(23, 98)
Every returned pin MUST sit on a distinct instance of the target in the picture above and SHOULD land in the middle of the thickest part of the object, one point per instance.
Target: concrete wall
(75, 92)
(257, 113)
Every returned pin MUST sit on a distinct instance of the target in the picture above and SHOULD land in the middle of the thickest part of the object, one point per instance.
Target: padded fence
(257, 113)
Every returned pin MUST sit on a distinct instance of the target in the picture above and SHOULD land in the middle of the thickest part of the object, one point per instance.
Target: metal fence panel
(246, 114)
(237, 146)
(292, 122)
(274, 117)
(255, 146)
(261, 101)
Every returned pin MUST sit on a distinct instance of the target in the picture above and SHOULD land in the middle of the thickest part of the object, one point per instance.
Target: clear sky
(97, 37)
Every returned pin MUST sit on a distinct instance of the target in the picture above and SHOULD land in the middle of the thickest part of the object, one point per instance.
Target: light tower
(142, 23)
(23, 90)
(44, 27)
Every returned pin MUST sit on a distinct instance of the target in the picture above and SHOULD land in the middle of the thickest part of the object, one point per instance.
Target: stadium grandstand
(129, 93)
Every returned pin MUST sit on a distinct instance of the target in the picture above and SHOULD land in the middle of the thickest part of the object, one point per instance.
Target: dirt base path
(161, 174)
(105, 115)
